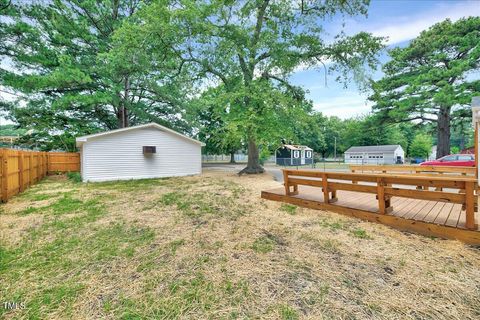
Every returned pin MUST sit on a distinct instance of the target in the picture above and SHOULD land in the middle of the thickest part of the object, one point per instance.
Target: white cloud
(409, 27)
(347, 106)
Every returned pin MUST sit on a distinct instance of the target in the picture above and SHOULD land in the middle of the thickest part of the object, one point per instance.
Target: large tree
(209, 115)
(54, 57)
(433, 78)
(251, 47)
(220, 117)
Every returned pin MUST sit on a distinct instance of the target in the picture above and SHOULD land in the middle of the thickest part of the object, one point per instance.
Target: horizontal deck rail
(382, 184)
(466, 171)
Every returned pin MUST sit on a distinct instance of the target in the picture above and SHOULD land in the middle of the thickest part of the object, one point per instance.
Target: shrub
(74, 176)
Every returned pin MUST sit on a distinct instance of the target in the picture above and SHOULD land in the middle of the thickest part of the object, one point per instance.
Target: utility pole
(335, 149)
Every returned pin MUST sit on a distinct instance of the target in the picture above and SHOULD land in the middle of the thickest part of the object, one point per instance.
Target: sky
(400, 21)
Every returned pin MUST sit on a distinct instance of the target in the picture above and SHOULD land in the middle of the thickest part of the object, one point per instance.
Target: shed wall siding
(120, 156)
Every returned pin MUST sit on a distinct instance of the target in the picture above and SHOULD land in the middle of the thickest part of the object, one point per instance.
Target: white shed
(145, 151)
(386, 154)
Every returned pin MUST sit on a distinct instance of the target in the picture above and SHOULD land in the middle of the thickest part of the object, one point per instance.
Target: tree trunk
(253, 164)
(232, 157)
(443, 132)
(122, 117)
(122, 114)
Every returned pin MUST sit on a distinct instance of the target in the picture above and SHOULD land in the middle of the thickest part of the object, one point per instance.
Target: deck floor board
(415, 210)
(443, 214)
(454, 215)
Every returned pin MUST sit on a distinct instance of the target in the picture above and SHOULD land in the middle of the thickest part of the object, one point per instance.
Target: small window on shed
(296, 154)
(308, 154)
(149, 149)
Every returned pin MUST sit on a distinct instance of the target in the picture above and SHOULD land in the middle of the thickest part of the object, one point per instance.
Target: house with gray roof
(386, 154)
(293, 155)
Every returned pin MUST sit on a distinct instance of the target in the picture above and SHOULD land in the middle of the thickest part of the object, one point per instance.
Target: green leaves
(112, 63)
(431, 77)
(421, 146)
(59, 59)
(246, 50)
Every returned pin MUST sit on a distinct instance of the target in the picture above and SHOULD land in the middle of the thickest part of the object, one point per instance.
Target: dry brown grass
(210, 247)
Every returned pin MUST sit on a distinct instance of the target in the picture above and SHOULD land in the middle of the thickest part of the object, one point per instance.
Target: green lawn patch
(288, 208)
(360, 233)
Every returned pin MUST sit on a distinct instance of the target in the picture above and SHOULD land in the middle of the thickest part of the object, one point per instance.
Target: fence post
(4, 175)
(469, 205)
(47, 158)
(38, 167)
(20, 171)
(40, 155)
(30, 169)
(43, 164)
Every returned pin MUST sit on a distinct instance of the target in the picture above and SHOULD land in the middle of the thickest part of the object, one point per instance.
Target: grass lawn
(208, 247)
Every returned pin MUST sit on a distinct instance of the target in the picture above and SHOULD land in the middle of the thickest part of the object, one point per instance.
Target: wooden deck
(432, 218)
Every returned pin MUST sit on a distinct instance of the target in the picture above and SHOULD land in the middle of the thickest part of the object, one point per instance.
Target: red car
(457, 160)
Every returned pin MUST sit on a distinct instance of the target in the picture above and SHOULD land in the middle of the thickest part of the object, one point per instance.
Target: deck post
(353, 181)
(469, 205)
(439, 188)
(334, 196)
(326, 195)
(419, 187)
(285, 182)
(384, 206)
(476, 149)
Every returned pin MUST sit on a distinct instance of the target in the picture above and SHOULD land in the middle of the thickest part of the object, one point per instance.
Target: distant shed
(385, 154)
(293, 155)
(145, 151)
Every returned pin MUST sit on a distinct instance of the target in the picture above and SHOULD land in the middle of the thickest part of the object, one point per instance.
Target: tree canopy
(250, 48)
(56, 60)
(220, 70)
(433, 79)
(421, 146)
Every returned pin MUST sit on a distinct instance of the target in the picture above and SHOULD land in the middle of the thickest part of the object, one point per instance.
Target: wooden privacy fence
(63, 162)
(21, 169)
(382, 185)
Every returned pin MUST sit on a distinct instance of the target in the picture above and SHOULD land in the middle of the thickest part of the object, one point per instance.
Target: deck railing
(409, 169)
(460, 190)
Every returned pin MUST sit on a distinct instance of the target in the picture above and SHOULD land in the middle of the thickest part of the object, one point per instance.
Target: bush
(74, 176)
(421, 146)
(264, 155)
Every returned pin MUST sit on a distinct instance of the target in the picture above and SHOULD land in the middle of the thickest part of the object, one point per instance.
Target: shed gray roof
(385, 148)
